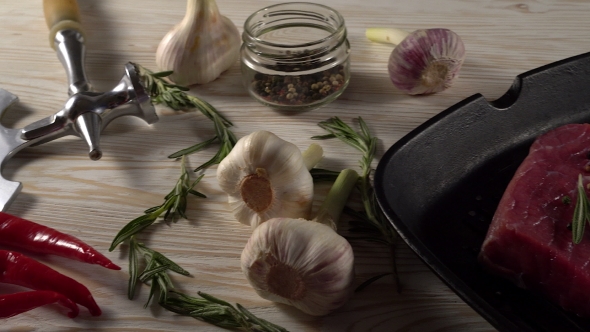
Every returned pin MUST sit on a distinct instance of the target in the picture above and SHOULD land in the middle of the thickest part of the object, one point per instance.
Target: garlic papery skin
(304, 263)
(265, 176)
(424, 61)
(199, 48)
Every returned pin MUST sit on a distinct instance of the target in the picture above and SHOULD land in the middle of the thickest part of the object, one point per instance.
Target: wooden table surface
(92, 200)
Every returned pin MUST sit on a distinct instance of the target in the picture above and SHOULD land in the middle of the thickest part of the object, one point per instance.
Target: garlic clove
(199, 48)
(300, 263)
(266, 177)
(424, 61)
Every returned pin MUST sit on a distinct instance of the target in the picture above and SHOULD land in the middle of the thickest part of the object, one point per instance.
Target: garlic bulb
(199, 48)
(300, 263)
(424, 61)
(266, 176)
(304, 263)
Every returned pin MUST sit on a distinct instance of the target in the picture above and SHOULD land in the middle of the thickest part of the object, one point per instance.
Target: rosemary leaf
(262, 322)
(188, 301)
(161, 259)
(580, 213)
(175, 308)
(167, 281)
(322, 137)
(163, 288)
(370, 281)
(152, 209)
(192, 149)
(196, 193)
(133, 268)
(213, 299)
(208, 313)
(133, 227)
(215, 160)
(153, 289)
(146, 275)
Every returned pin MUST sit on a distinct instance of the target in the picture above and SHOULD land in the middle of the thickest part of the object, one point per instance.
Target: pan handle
(61, 15)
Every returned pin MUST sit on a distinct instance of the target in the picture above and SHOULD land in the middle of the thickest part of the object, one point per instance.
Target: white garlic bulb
(266, 177)
(302, 263)
(199, 48)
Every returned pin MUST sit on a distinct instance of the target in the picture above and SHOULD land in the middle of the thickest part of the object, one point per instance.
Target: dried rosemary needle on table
(371, 219)
(151, 267)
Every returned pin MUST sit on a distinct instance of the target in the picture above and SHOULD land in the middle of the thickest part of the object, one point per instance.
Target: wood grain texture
(94, 199)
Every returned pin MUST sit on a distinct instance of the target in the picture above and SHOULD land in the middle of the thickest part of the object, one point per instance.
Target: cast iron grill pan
(440, 185)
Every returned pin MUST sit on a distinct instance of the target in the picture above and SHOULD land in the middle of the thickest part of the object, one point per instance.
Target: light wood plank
(93, 200)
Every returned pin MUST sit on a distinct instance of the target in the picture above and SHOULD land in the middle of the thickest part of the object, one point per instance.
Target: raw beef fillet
(529, 240)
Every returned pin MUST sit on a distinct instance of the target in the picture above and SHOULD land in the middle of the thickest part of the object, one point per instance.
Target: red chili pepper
(18, 269)
(24, 234)
(14, 304)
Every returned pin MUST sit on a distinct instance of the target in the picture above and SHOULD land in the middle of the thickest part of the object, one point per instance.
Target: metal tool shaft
(86, 112)
(71, 51)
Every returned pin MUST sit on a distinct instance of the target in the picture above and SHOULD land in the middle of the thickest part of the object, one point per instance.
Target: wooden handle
(61, 15)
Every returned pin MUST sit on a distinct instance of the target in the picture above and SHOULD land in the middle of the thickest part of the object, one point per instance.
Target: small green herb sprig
(371, 219)
(174, 206)
(156, 264)
(581, 213)
(151, 267)
(218, 312)
(175, 97)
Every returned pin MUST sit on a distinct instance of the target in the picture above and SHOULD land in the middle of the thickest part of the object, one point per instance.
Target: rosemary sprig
(372, 215)
(155, 268)
(218, 312)
(174, 206)
(581, 213)
(175, 97)
(151, 267)
(155, 265)
(206, 308)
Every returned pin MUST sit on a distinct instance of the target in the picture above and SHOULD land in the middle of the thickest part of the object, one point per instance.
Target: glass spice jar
(295, 56)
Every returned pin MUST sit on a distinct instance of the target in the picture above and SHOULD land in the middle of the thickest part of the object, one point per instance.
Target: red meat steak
(529, 240)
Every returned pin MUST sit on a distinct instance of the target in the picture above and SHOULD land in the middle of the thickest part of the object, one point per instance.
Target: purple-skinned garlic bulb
(423, 61)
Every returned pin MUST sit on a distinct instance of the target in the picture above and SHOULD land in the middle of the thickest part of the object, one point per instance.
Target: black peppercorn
(298, 89)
